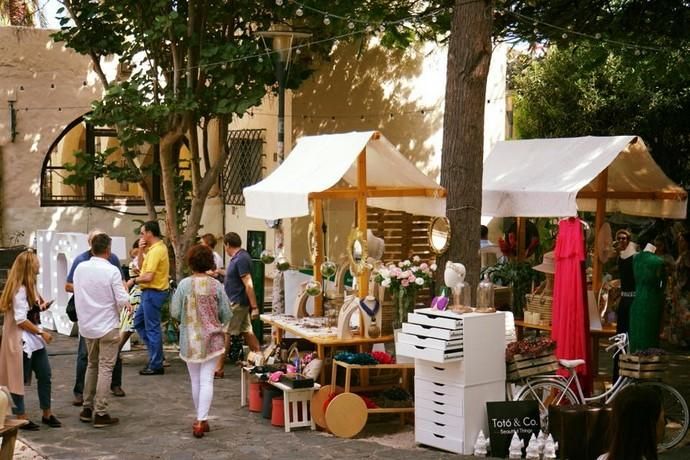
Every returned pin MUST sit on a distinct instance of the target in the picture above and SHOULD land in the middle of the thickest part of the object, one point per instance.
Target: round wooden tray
(318, 400)
(346, 415)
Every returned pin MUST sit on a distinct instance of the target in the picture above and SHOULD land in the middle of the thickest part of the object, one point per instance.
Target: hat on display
(548, 264)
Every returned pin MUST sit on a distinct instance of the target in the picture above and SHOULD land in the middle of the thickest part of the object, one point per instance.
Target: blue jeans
(147, 323)
(39, 364)
(83, 362)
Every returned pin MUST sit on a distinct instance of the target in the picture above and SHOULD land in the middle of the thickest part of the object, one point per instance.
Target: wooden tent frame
(601, 195)
(360, 193)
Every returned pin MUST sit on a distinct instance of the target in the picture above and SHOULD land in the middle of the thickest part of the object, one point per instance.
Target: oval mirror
(357, 251)
(439, 235)
(311, 242)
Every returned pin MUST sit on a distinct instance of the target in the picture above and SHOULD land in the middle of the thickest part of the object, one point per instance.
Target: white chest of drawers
(459, 366)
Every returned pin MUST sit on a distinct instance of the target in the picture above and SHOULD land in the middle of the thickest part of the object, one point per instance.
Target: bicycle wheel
(676, 412)
(547, 393)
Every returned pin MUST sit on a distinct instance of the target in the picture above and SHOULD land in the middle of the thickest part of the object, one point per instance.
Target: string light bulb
(326, 20)
(279, 2)
(299, 12)
(350, 25)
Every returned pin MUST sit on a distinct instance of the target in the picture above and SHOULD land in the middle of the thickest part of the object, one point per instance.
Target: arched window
(83, 136)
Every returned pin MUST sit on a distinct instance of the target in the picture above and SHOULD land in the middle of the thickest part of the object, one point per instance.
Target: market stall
(360, 166)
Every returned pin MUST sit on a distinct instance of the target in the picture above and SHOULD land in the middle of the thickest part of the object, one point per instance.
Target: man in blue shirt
(240, 290)
(82, 352)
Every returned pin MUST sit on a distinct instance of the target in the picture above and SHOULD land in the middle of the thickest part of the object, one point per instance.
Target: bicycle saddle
(571, 363)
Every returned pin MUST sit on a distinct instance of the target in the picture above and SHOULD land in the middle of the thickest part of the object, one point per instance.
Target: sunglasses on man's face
(622, 238)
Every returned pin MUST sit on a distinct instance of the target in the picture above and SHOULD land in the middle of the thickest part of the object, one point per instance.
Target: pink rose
(404, 283)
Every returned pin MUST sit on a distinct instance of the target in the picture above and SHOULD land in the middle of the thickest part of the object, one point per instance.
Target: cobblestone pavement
(156, 417)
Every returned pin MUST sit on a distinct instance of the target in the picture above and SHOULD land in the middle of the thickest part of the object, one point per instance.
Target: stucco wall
(53, 86)
(400, 93)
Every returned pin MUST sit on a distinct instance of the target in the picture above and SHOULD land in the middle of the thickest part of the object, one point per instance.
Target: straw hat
(548, 265)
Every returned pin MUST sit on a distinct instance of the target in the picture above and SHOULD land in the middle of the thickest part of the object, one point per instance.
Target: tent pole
(318, 256)
(362, 215)
(597, 266)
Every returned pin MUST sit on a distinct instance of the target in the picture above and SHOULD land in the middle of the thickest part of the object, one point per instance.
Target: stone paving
(156, 416)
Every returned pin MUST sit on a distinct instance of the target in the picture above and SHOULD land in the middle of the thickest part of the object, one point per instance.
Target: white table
(297, 396)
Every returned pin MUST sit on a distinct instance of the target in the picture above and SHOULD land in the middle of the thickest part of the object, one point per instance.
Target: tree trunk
(469, 55)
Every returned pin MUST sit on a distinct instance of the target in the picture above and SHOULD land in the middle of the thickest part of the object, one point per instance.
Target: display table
(595, 335)
(323, 338)
(9, 436)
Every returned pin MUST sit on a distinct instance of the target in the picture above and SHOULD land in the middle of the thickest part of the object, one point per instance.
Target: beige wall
(29, 64)
(400, 93)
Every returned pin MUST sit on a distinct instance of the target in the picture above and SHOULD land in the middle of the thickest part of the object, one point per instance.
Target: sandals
(219, 375)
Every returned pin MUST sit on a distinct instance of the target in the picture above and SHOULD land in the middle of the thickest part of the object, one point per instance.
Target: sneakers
(101, 421)
(31, 426)
(78, 400)
(149, 371)
(51, 421)
(86, 415)
(117, 391)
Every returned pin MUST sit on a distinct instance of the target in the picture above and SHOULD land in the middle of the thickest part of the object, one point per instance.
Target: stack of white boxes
(459, 366)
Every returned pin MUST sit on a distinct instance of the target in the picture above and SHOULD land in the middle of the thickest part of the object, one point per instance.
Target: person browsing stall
(99, 297)
(82, 354)
(240, 290)
(154, 283)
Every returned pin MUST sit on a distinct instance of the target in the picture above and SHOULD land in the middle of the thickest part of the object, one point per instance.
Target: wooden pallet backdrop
(405, 235)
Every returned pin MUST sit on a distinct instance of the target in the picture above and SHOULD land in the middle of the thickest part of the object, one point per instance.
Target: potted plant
(518, 275)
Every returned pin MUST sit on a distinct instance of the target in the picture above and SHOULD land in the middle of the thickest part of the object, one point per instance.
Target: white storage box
(430, 354)
(429, 438)
(430, 331)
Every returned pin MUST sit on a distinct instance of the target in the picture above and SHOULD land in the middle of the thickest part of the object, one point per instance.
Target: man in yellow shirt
(154, 282)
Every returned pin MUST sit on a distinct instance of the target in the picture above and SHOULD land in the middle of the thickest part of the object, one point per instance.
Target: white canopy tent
(361, 166)
(318, 163)
(558, 177)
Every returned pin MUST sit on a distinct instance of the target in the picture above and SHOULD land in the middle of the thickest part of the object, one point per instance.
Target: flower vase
(403, 303)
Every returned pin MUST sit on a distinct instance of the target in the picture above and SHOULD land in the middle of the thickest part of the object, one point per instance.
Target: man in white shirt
(99, 297)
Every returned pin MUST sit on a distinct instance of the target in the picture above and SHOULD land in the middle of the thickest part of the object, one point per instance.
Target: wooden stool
(9, 436)
(295, 397)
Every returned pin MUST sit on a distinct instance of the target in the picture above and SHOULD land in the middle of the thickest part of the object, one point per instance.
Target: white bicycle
(555, 389)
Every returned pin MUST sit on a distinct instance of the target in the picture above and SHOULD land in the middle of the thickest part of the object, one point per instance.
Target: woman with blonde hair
(23, 347)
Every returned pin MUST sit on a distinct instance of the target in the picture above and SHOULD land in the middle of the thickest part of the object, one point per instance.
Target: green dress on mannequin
(645, 312)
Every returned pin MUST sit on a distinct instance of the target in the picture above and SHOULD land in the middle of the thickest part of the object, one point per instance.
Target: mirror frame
(356, 235)
(445, 247)
(311, 242)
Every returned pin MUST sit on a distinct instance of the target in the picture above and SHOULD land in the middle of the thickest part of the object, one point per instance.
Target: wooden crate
(643, 367)
(523, 366)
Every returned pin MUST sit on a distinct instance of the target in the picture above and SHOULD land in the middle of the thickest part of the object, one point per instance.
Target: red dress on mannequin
(570, 319)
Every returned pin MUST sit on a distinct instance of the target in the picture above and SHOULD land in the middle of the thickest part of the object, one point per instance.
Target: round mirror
(357, 251)
(439, 235)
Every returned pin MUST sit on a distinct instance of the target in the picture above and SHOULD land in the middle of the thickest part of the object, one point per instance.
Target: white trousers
(201, 376)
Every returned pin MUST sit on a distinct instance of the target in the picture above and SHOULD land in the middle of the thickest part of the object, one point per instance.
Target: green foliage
(590, 89)
(518, 275)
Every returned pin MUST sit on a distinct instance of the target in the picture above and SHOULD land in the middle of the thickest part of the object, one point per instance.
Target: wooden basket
(537, 303)
(643, 367)
(523, 366)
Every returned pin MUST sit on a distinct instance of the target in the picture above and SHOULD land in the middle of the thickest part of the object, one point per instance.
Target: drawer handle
(438, 436)
(439, 424)
(439, 368)
(439, 412)
(439, 403)
(439, 384)
(419, 348)
(439, 394)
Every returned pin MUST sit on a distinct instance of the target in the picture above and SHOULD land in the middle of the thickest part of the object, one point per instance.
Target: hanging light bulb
(382, 27)
(597, 36)
(564, 35)
(299, 12)
(434, 19)
(298, 51)
(326, 20)
(369, 29)
(350, 25)
(261, 59)
(279, 2)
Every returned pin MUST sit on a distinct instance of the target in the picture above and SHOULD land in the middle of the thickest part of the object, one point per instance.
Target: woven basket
(538, 303)
(643, 367)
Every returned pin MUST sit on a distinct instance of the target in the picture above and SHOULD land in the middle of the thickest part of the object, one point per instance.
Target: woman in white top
(637, 424)
(218, 272)
(23, 348)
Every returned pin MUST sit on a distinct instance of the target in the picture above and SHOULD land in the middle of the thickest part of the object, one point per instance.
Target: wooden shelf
(391, 410)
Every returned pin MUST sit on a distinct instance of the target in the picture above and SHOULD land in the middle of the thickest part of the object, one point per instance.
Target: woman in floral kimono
(202, 308)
